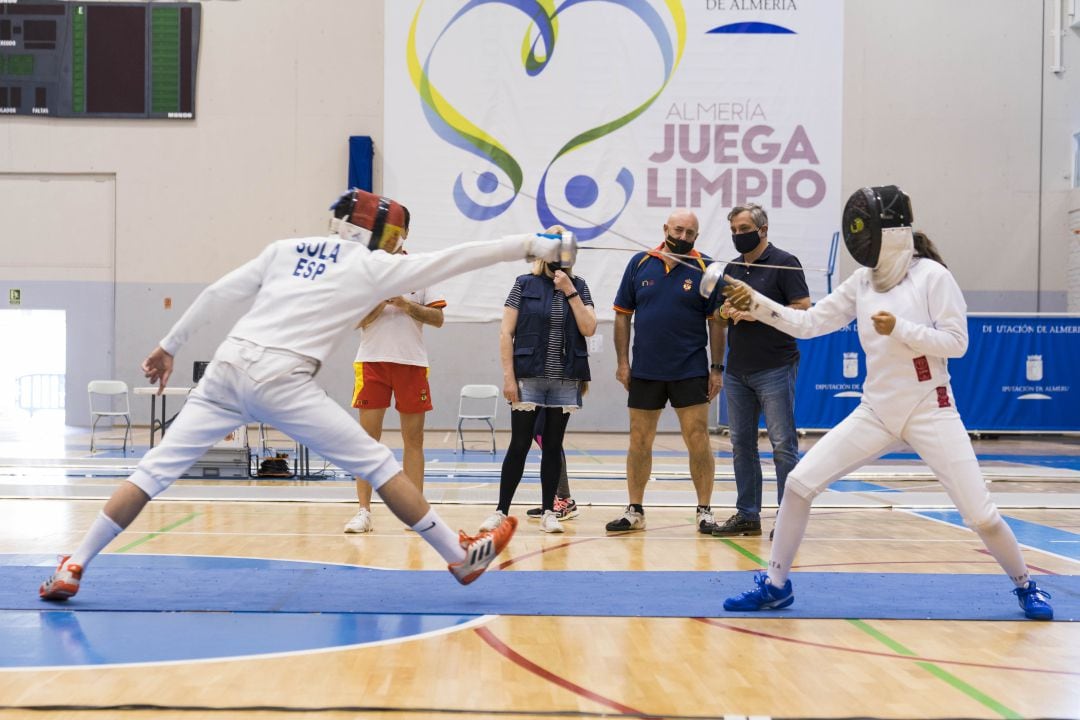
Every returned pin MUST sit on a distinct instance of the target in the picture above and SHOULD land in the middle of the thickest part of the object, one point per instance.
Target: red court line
(899, 562)
(516, 658)
(568, 543)
(875, 653)
(1043, 570)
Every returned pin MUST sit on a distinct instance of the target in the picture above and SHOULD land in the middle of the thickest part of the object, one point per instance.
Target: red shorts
(375, 381)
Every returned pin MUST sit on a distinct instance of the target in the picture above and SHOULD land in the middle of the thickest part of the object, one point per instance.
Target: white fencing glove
(544, 247)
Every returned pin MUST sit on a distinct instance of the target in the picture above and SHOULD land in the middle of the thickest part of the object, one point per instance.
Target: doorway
(32, 373)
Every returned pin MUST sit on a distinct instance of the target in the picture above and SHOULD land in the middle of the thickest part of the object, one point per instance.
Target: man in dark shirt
(673, 324)
(761, 366)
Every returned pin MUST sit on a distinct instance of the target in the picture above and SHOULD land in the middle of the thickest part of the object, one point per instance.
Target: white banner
(505, 116)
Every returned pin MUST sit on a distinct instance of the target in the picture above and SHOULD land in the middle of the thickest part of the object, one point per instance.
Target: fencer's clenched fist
(738, 293)
(884, 322)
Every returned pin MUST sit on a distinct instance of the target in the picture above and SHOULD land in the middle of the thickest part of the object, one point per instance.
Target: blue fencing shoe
(1033, 601)
(762, 597)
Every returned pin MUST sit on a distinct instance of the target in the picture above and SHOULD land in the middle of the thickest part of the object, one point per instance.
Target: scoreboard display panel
(98, 59)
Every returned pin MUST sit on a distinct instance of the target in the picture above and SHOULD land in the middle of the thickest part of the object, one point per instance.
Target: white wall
(952, 100)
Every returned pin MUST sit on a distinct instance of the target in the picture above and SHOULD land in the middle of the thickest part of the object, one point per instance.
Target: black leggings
(522, 423)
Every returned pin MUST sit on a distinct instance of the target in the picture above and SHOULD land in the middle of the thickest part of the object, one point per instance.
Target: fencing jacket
(901, 368)
(309, 291)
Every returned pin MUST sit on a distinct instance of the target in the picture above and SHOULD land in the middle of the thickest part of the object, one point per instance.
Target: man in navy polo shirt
(761, 366)
(673, 324)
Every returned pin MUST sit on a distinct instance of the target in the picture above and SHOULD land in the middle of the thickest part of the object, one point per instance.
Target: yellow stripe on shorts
(358, 381)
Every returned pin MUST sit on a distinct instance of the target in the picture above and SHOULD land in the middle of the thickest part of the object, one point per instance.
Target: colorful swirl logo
(537, 48)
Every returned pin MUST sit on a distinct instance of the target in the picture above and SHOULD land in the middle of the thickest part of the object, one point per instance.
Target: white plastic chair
(478, 402)
(111, 402)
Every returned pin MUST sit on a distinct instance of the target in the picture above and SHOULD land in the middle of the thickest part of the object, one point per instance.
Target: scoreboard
(98, 59)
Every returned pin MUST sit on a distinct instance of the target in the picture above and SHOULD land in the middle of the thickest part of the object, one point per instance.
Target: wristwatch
(717, 366)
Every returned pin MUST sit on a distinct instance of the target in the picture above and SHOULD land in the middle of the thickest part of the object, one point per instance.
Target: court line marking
(1042, 570)
(480, 619)
(940, 673)
(1037, 568)
(150, 536)
(877, 653)
(631, 535)
(521, 661)
(467, 625)
(576, 541)
(940, 521)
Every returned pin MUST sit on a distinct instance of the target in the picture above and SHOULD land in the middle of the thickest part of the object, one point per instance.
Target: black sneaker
(737, 524)
(631, 519)
(565, 509)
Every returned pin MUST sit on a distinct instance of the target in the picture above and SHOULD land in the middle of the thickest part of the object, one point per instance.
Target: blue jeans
(771, 391)
(548, 392)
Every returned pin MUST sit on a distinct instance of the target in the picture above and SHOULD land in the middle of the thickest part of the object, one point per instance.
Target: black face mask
(679, 247)
(747, 241)
(553, 267)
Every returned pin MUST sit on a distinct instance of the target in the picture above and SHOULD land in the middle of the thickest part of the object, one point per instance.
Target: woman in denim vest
(545, 361)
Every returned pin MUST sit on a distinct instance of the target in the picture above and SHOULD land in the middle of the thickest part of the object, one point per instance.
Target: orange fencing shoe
(64, 583)
(481, 550)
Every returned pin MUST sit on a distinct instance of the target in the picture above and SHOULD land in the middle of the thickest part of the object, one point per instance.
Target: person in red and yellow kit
(392, 360)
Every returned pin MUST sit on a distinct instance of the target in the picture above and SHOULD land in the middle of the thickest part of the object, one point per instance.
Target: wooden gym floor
(537, 666)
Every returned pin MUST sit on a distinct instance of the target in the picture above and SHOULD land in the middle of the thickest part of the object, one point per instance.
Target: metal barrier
(40, 391)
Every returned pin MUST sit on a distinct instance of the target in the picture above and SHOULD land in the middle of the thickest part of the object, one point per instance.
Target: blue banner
(831, 373)
(1020, 374)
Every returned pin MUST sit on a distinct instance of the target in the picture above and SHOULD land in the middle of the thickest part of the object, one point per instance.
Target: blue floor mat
(148, 583)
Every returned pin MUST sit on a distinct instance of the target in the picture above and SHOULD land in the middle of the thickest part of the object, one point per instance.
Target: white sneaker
(631, 519)
(705, 520)
(494, 520)
(549, 523)
(361, 522)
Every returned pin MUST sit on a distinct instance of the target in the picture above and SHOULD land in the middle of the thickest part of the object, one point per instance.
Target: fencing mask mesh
(868, 211)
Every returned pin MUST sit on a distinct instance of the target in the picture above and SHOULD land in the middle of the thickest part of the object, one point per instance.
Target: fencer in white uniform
(307, 293)
(911, 318)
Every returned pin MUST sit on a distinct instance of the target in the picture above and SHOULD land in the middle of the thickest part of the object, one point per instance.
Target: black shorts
(655, 394)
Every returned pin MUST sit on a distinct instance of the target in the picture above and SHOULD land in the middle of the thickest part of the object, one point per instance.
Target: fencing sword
(710, 279)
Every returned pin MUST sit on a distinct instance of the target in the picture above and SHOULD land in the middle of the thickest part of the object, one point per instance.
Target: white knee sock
(439, 535)
(100, 534)
(1000, 541)
(788, 534)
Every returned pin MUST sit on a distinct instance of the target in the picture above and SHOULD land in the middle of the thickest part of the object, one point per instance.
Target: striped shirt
(556, 336)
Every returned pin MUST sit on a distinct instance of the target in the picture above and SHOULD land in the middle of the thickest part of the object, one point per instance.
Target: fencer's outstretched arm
(396, 274)
(238, 286)
(947, 335)
(832, 313)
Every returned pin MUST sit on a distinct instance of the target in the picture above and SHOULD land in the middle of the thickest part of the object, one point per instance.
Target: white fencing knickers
(250, 383)
(936, 433)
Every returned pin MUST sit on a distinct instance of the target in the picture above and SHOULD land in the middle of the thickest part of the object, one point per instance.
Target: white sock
(439, 535)
(787, 535)
(100, 534)
(1001, 543)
